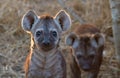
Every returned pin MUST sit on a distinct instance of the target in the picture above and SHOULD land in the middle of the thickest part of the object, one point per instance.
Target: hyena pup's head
(46, 30)
(85, 48)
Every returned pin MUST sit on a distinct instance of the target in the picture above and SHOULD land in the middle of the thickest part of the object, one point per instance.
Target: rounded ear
(70, 39)
(63, 19)
(28, 20)
(98, 40)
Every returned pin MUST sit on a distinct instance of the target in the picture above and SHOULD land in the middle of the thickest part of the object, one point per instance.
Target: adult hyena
(87, 45)
(45, 59)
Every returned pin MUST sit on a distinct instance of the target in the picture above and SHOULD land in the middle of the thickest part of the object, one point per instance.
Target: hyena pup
(87, 44)
(45, 59)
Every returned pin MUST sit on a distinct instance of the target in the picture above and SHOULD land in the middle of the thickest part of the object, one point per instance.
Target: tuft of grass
(2, 29)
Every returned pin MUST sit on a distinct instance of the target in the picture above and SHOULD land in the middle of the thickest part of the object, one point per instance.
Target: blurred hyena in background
(87, 45)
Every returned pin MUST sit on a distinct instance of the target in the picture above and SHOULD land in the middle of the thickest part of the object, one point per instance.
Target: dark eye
(38, 33)
(91, 56)
(54, 33)
(79, 56)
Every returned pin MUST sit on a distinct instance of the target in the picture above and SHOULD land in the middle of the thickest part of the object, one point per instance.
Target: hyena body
(45, 59)
(87, 44)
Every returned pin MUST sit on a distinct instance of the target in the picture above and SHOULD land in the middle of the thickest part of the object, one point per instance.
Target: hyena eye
(38, 33)
(91, 56)
(79, 56)
(54, 33)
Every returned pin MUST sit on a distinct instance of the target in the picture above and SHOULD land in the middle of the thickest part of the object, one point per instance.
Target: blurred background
(15, 43)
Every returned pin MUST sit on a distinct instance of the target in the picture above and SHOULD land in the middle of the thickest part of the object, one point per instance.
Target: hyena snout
(46, 43)
(85, 66)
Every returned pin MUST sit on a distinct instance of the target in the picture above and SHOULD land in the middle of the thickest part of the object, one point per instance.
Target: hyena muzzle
(87, 44)
(45, 59)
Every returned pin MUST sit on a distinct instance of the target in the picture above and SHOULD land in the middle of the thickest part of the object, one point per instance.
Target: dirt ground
(15, 43)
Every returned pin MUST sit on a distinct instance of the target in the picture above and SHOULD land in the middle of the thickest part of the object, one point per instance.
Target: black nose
(86, 68)
(46, 43)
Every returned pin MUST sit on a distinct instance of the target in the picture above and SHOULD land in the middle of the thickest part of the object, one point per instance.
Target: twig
(70, 10)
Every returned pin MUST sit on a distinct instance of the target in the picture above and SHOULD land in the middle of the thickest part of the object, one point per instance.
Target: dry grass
(14, 42)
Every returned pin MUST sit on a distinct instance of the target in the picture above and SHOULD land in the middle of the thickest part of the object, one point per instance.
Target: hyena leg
(75, 70)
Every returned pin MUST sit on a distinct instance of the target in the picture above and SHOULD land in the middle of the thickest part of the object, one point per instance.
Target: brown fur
(75, 69)
(26, 65)
(86, 29)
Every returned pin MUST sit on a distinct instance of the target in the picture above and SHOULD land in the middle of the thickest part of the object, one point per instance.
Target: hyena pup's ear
(63, 19)
(71, 40)
(28, 20)
(98, 40)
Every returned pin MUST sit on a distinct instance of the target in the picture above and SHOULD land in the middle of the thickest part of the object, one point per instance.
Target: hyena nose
(86, 68)
(46, 43)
